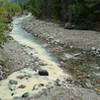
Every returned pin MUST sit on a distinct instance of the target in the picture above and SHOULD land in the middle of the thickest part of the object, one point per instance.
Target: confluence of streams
(55, 72)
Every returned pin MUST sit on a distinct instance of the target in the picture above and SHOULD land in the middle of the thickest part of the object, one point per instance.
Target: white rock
(93, 48)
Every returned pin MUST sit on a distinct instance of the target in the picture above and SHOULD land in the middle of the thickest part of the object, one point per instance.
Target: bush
(75, 11)
(7, 10)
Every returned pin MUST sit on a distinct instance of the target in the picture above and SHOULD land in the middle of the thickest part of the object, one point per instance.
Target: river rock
(12, 87)
(22, 86)
(69, 26)
(25, 95)
(43, 73)
(93, 48)
(13, 82)
(17, 98)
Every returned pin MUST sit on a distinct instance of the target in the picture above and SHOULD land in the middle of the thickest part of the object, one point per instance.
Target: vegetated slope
(19, 1)
(7, 10)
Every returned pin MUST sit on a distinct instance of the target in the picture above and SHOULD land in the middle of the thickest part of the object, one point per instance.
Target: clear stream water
(26, 39)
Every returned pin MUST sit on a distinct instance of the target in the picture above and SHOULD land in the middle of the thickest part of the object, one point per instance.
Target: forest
(83, 14)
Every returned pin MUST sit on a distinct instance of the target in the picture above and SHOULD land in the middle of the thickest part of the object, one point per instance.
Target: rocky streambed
(37, 74)
(77, 50)
(40, 68)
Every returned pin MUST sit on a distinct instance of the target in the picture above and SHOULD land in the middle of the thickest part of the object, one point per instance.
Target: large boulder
(69, 26)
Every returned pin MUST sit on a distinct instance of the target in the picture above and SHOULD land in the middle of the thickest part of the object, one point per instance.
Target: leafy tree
(78, 12)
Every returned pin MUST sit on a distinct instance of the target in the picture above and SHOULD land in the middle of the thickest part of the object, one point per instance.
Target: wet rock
(89, 85)
(77, 54)
(57, 82)
(93, 48)
(69, 26)
(41, 84)
(13, 82)
(22, 86)
(63, 59)
(56, 42)
(12, 87)
(34, 87)
(43, 73)
(98, 50)
(37, 63)
(17, 98)
(71, 46)
(50, 37)
(20, 77)
(12, 94)
(68, 56)
(25, 95)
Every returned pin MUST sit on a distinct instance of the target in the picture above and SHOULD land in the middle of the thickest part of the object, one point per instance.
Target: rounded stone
(43, 73)
(13, 82)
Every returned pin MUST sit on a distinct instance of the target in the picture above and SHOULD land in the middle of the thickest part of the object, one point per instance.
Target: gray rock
(93, 48)
(13, 82)
(12, 87)
(69, 26)
(17, 98)
(43, 73)
(25, 95)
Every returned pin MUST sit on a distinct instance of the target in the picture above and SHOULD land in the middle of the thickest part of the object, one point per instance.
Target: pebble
(43, 73)
(93, 48)
(22, 86)
(13, 82)
(25, 95)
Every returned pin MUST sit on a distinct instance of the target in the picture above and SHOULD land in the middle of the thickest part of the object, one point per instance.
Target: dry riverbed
(33, 75)
(77, 50)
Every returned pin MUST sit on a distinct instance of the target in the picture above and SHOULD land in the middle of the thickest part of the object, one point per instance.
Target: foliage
(74, 11)
(7, 10)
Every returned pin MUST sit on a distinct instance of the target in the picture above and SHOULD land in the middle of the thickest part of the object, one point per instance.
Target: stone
(69, 26)
(57, 82)
(41, 84)
(13, 82)
(77, 54)
(16, 98)
(20, 77)
(88, 84)
(93, 48)
(12, 87)
(25, 95)
(22, 86)
(12, 94)
(43, 73)
(71, 46)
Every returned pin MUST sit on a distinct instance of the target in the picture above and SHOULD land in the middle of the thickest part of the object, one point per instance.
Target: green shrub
(7, 10)
(74, 11)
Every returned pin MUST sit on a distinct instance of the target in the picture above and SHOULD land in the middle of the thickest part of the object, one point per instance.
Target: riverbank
(21, 58)
(33, 69)
(35, 74)
(77, 50)
(78, 38)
